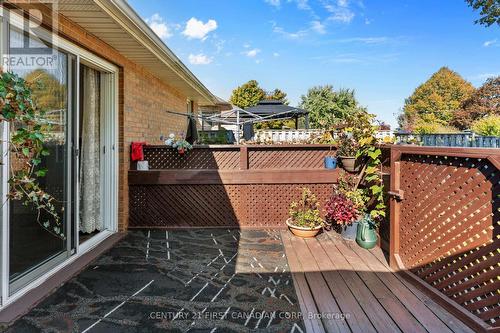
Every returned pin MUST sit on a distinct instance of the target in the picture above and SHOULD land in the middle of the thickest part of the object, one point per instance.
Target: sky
(383, 49)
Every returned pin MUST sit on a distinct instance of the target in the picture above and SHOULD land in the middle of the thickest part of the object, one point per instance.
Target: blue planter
(330, 162)
(349, 231)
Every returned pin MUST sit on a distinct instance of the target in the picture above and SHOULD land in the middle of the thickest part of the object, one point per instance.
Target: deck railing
(226, 185)
(449, 140)
(445, 215)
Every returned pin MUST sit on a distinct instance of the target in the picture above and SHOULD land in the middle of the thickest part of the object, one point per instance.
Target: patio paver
(199, 280)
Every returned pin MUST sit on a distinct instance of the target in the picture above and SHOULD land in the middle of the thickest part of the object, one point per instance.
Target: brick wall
(142, 99)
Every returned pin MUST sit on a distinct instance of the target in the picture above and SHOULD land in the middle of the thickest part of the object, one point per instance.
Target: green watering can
(366, 235)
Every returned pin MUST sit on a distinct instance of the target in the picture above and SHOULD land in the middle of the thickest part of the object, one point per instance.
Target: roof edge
(129, 20)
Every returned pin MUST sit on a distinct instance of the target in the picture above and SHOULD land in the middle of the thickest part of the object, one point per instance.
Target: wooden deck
(344, 288)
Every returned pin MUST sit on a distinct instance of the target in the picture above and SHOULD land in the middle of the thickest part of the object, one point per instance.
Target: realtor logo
(30, 40)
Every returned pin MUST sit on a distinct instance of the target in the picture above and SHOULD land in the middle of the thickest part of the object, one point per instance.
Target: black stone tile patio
(200, 280)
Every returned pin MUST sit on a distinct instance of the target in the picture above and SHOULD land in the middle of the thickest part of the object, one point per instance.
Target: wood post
(394, 208)
(243, 158)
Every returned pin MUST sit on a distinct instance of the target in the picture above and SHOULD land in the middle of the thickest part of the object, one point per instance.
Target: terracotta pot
(302, 231)
(349, 163)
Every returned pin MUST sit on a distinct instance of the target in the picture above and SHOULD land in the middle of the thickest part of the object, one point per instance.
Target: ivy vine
(29, 132)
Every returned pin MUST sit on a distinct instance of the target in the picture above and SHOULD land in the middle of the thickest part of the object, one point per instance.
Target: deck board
(307, 304)
(419, 310)
(327, 305)
(338, 276)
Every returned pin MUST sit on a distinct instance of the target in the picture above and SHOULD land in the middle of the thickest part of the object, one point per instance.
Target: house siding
(142, 101)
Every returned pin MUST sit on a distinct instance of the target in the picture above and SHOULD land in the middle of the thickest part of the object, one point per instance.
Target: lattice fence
(262, 205)
(288, 158)
(229, 157)
(162, 157)
(449, 228)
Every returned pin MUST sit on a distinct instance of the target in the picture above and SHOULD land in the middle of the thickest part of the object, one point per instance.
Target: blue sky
(381, 48)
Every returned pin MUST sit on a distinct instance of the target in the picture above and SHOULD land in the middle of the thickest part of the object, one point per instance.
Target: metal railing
(449, 140)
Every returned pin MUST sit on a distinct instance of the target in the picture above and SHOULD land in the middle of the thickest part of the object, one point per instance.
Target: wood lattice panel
(262, 205)
(162, 157)
(287, 158)
(449, 228)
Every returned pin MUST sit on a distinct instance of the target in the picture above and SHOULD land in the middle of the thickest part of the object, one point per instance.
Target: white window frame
(111, 89)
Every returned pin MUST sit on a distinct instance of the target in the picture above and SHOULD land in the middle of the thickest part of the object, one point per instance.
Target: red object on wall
(137, 152)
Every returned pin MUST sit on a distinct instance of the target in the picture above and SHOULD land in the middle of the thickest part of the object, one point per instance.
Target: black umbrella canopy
(275, 109)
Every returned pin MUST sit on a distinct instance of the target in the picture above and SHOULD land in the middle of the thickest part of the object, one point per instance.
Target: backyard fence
(300, 135)
(226, 185)
(286, 135)
(449, 140)
(445, 215)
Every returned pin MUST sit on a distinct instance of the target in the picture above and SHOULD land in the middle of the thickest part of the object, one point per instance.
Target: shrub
(489, 126)
(305, 213)
(340, 209)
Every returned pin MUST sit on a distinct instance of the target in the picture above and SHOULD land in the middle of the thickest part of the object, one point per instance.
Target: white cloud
(339, 11)
(199, 59)
(275, 3)
(318, 27)
(490, 42)
(276, 54)
(159, 26)
(290, 35)
(343, 15)
(483, 76)
(197, 29)
(366, 40)
(252, 53)
(301, 4)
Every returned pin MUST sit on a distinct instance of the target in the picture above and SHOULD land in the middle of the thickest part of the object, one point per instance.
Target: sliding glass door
(32, 249)
(78, 92)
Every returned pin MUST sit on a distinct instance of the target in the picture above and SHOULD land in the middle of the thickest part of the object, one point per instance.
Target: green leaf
(41, 172)
(26, 151)
(376, 189)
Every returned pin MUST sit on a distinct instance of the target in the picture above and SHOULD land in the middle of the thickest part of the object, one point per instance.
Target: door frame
(112, 165)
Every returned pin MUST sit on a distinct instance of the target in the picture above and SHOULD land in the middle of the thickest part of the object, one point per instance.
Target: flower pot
(350, 163)
(366, 235)
(302, 231)
(330, 162)
(349, 231)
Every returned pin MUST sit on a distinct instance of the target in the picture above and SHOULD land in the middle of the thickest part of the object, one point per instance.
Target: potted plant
(348, 148)
(341, 210)
(305, 218)
(182, 146)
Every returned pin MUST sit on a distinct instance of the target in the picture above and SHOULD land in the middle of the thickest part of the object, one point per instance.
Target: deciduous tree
(489, 11)
(247, 95)
(328, 107)
(438, 98)
(483, 102)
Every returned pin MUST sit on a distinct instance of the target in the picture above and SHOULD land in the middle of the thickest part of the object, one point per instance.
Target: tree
(490, 11)
(278, 95)
(483, 102)
(489, 126)
(49, 93)
(247, 95)
(438, 98)
(328, 107)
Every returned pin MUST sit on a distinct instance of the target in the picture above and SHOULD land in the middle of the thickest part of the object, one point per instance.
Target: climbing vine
(362, 130)
(29, 132)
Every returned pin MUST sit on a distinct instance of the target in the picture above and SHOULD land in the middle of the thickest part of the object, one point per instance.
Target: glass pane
(30, 244)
